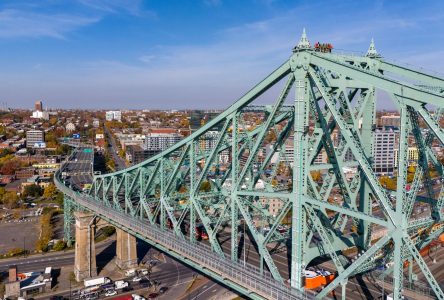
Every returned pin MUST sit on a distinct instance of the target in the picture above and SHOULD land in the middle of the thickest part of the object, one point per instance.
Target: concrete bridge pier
(126, 250)
(85, 250)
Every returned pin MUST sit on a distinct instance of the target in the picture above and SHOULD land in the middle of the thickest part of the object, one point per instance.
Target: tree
(10, 167)
(50, 191)
(316, 175)
(59, 246)
(205, 186)
(33, 190)
(10, 200)
(2, 194)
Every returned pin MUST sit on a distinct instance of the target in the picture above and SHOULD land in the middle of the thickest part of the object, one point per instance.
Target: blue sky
(189, 54)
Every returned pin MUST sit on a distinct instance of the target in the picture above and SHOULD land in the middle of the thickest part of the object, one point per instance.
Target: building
(96, 123)
(70, 127)
(412, 156)
(25, 173)
(321, 158)
(40, 115)
(38, 106)
(136, 154)
(161, 141)
(384, 151)
(113, 115)
(390, 120)
(198, 118)
(208, 140)
(34, 137)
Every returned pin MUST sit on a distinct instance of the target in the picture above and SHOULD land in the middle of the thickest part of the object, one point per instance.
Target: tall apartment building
(34, 137)
(38, 113)
(136, 154)
(208, 140)
(113, 115)
(38, 106)
(384, 151)
(412, 155)
(161, 141)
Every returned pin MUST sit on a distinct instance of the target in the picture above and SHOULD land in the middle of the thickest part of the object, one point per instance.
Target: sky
(180, 54)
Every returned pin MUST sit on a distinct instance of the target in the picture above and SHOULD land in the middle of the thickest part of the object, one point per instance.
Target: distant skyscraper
(39, 113)
(38, 106)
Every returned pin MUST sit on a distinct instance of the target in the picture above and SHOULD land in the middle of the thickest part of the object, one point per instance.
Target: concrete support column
(126, 250)
(85, 250)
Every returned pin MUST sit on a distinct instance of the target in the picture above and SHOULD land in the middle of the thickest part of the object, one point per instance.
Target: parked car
(163, 289)
(136, 279)
(153, 296)
(110, 293)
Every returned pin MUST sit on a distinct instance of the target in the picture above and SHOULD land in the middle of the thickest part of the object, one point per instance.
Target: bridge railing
(247, 276)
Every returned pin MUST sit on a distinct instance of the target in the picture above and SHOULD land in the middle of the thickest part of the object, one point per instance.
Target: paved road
(114, 150)
(40, 261)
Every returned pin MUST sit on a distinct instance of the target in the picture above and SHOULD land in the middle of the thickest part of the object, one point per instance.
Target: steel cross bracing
(259, 176)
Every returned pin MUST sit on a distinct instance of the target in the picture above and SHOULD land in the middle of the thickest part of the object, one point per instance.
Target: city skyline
(111, 54)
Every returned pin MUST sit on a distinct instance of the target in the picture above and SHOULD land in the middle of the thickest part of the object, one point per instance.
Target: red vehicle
(169, 223)
(125, 297)
(201, 233)
(152, 296)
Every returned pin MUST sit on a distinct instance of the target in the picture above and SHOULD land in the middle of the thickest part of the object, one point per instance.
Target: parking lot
(19, 234)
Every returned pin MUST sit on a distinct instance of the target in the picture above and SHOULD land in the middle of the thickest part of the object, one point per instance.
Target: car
(110, 293)
(143, 271)
(145, 283)
(136, 279)
(153, 296)
(163, 289)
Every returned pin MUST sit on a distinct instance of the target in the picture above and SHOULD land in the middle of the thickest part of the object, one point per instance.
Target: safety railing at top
(246, 276)
(403, 64)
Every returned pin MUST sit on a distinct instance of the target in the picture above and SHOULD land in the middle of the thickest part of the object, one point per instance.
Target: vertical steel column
(68, 216)
(299, 178)
(401, 222)
(234, 178)
(192, 155)
(368, 121)
(162, 193)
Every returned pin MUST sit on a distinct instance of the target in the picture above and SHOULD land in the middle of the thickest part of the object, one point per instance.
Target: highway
(79, 168)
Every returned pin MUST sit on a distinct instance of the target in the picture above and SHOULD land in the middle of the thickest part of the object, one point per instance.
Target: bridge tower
(85, 251)
(126, 250)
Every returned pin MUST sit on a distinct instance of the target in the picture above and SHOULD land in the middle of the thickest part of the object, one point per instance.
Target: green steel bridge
(320, 211)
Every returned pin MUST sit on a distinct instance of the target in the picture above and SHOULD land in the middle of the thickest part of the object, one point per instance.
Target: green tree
(33, 190)
(50, 191)
(59, 246)
(205, 186)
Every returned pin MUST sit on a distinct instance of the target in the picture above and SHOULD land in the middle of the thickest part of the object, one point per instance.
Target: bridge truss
(262, 157)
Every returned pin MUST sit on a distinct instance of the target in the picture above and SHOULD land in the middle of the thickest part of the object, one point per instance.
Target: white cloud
(15, 23)
(133, 7)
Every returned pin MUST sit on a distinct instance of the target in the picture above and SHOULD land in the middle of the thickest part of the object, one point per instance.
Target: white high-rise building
(113, 115)
(384, 151)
